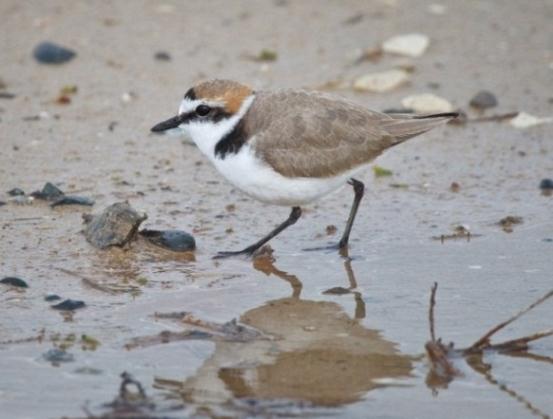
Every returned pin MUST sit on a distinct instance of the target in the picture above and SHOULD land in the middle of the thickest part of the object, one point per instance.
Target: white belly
(259, 181)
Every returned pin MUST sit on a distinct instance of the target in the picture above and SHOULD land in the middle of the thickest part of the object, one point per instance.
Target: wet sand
(343, 355)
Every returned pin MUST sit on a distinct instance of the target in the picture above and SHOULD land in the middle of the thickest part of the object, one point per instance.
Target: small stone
(525, 120)
(331, 230)
(16, 192)
(117, 225)
(14, 282)
(483, 100)
(50, 53)
(454, 187)
(546, 184)
(49, 192)
(58, 356)
(175, 240)
(337, 291)
(7, 95)
(162, 56)
(382, 81)
(69, 305)
(128, 97)
(508, 222)
(52, 297)
(23, 200)
(72, 200)
(2, 203)
(427, 103)
(410, 45)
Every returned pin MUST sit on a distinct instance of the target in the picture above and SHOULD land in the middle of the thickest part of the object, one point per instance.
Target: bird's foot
(341, 247)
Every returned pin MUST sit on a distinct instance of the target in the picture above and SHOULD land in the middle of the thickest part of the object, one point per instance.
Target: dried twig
(431, 311)
(484, 341)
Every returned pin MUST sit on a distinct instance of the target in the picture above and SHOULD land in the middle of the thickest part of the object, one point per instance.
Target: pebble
(16, 192)
(6, 95)
(117, 225)
(14, 282)
(57, 356)
(427, 103)
(2, 203)
(50, 53)
(525, 120)
(162, 56)
(68, 305)
(72, 200)
(337, 291)
(49, 192)
(483, 100)
(175, 240)
(546, 183)
(52, 297)
(411, 45)
(381, 81)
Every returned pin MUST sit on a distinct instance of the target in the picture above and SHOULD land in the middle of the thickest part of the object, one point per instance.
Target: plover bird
(290, 147)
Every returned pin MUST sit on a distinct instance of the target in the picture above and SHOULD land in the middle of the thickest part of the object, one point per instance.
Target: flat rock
(427, 103)
(525, 120)
(72, 200)
(175, 240)
(117, 225)
(50, 53)
(14, 282)
(69, 305)
(57, 356)
(410, 45)
(382, 81)
(483, 100)
(16, 192)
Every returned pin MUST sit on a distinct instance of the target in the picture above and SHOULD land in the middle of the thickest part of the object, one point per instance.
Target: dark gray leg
(248, 251)
(358, 189)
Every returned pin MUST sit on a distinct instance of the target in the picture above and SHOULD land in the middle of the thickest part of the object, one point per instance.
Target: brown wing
(314, 135)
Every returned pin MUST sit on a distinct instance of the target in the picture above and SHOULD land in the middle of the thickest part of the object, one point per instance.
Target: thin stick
(484, 340)
(431, 311)
(520, 343)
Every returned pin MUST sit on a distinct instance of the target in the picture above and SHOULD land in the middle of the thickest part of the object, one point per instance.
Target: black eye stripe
(217, 114)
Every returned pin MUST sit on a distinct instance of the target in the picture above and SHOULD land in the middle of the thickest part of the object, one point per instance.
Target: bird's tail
(404, 126)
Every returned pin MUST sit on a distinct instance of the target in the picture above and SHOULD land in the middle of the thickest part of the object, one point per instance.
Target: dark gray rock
(175, 240)
(57, 356)
(14, 282)
(49, 192)
(546, 184)
(162, 56)
(483, 100)
(52, 297)
(50, 53)
(117, 225)
(69, 305)
(16, 192)
(72, 200)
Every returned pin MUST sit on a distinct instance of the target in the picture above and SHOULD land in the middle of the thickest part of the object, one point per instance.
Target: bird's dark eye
(203, 110)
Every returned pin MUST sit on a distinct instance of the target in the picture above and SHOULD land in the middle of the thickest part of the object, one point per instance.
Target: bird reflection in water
(319, 354)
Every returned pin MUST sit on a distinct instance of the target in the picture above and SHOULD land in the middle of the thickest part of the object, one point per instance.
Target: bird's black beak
(169, 124)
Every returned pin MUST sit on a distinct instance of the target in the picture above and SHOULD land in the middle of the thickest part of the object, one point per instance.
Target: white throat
(206, 134)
